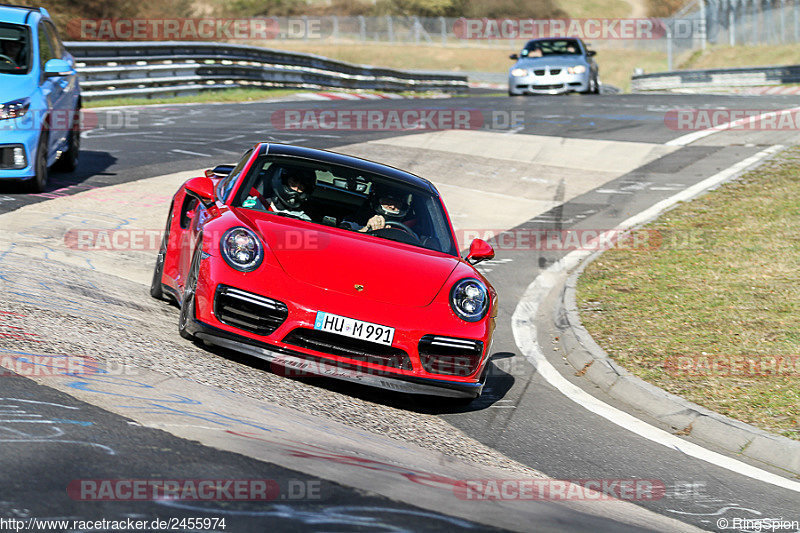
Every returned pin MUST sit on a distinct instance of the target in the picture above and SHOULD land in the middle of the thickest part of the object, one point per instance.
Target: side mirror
(219, 171)
(514, 57)
(591, 53)
(201, 188)
(57, 67)
(479, 250)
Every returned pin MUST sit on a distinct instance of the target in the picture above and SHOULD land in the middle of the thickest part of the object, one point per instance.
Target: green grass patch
(722, 285)
(742, 56)
(226, 95)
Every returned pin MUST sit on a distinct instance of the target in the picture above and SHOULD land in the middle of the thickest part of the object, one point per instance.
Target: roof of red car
(348, 161)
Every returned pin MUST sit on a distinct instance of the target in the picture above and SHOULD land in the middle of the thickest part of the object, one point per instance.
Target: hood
(16, 86)
(551, 61)
(338, 260)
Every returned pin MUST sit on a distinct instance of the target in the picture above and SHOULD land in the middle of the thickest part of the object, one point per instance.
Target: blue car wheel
(39, 181)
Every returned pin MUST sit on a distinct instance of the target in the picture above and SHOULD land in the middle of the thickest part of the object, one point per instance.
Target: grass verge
(713, 314)
(225, 95)
(742, 56)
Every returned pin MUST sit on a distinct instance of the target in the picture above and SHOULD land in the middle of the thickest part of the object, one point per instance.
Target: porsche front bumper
(303, 364)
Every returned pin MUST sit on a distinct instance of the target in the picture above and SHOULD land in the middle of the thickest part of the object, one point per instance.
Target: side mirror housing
(201, 188)
(514, 57)
(479, 250)
(219, 171)
(591, 53)
(57, 67)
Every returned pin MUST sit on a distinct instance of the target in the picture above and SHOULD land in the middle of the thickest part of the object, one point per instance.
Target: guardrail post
(703, 24)
(305, 27)
(390, 28)
(443, 27)
(754, 21)
(796, 10)
(362, 28)
(771, 24)
(416, 30)
(669, 45)
(783, 21)
(731, 24)
(335, 28)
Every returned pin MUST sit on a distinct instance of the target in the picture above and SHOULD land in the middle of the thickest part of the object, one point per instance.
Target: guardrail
(156, 68)
(719, 79)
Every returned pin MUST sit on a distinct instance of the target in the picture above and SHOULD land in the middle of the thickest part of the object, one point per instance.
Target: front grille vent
(331, 343)
(250, 312)
(449, 355)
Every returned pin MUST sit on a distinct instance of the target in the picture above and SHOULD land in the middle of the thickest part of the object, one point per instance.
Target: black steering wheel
(391, 224)
(6, 59)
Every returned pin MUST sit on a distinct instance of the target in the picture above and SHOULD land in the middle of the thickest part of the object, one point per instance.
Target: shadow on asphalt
(92, 163)
(498, 383)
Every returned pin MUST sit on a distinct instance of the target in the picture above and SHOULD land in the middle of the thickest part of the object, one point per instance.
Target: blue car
(554, 66)
(40, 99)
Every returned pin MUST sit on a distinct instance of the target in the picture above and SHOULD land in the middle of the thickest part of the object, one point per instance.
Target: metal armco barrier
(720, 78)
(112, 69)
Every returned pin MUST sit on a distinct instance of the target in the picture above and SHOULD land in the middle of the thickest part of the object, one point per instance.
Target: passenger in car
(388, 204)
(291, 190)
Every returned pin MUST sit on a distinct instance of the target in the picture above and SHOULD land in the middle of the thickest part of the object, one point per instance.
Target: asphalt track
(520, 415)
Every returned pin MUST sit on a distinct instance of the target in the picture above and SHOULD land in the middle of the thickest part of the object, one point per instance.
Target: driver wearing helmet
(389, 204)
(12, 49)
(291, 189)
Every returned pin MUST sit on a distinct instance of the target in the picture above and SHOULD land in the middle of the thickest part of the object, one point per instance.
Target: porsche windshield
(14, 49)
(346, 198)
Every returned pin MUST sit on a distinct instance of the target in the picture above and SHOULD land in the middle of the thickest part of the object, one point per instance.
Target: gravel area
(56, 309)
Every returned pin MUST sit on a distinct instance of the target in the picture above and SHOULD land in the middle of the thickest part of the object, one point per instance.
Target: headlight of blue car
(519, 72)
(577, 69)
(14, 109)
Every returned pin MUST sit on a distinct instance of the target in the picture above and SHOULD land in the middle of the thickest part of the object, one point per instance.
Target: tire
(156, 291)
(38, 183)
(593, 88)
(68, 161)
(188, 301)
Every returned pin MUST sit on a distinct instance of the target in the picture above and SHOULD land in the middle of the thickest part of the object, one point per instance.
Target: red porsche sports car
(331, 265)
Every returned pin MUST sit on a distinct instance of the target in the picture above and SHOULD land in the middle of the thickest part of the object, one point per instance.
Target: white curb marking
(524, 328)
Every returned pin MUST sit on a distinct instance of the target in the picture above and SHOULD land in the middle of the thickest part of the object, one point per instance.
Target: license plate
(357, 329)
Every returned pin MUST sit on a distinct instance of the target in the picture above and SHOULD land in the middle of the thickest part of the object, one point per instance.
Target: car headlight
(469, 299)
(577, 69)
(241, 249)
(14, 109)
(518, 72)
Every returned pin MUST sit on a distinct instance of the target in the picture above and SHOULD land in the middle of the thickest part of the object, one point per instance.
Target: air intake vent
(248, 311)
(448, 355)
(331, 343)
